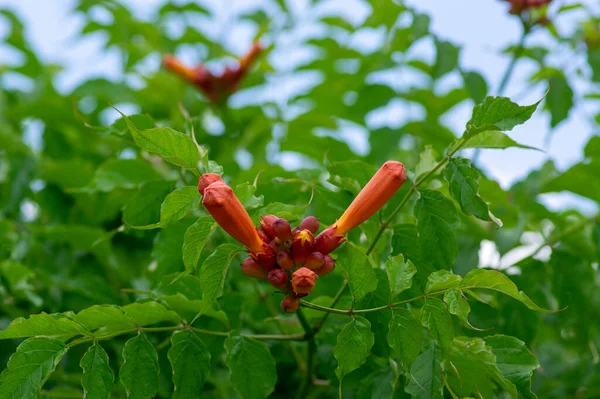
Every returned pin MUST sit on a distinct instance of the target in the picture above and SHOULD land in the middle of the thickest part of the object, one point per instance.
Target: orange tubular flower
(230, 214)
(388, 179)
(216, 87)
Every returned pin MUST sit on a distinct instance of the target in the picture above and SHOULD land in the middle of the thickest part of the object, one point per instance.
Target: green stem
(513, 61)
(350, 312)
(310, 355)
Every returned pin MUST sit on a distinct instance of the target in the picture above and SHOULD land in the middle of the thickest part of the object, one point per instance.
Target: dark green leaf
(425, 379)
(29, 367)
(353, 345)
(400, 274)
(143, 209)
(97, 379)
(559, 100)
(446, 59)
(405, 336)
(139, 372)
(436, 319)
(178, 203)
(190, 360)
(214, 270)
(252, 368)
(498, 113)
(494, 139)
(358, 271)
(55, 325)
(476, 85)
(195, 239)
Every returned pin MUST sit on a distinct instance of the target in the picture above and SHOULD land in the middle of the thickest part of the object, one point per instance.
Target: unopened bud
(266, 258)
(310, 223)
(284, 260)
(302, 246)
(328, 266)
(282, 229)
(263, 236)
(266, 224)
(206, 180)
(289, 304)
(314, 261)
(252, 269)
(278, 278)
(303, 280)
(327, 241)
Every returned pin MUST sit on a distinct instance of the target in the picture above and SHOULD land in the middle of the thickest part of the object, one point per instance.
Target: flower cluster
(535, 10)
(216, 87)
(293, 259)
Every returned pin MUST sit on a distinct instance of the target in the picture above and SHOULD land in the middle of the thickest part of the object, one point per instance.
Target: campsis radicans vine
(292, 259)
(216, 87)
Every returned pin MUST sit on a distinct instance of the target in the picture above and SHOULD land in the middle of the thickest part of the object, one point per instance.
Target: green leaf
(441, 281)
(426, 163)
(405, 336)
(436, 220)
(463, 180)
(98, 316)
(97, 379)
(559, 100)
(120, 173)
(476, 366)
(458, 305)
(150, 312)
(594, 61)
(494, 139)
(178, 203)
(400, 273)
(353, 345)
(139, 372)
(435, 317)
(495, 280)
(19, 279)
(357, 270)
(171, 145)
(476, 85)
(497, 113)
(56, 325)
(190, 360)
(581, 178)
(515, 362)
(446, 59)
(253, 372)
(195, 239)
(245, 193)
(142, 211)
(425, 379)
(214, 270)
(29, 367)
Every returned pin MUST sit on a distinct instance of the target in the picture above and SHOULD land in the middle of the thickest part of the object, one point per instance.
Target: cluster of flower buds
(520, 7)
(293, 259)
(216, 87)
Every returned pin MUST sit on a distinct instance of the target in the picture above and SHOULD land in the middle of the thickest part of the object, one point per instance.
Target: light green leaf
(446, 59)
(98, 316)
(195, 239)
(435, 317)
(97, 379)
(245, 193)
(426, 163)
(29, 367)
(253, 372)
(120, 173)
(442, 280)
(515, 362)
(476, 85)
(19, 278)
(559, 99)
(400, 273)
(56, 325)
(436, 221)
(495, 280)
(214, 270)
(476, 365)
(178, 203)
(405, 336)
(581, 178)
(190, 360)
(425, 379)
(139, 372)
(357, 270)
(150, 312)
(458, 305)
(463, 180)
(494, 139)
(353, 345)
(171, 145)
(497, 113)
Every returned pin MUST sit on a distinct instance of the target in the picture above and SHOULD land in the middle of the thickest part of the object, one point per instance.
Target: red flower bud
(278, 278)
(284, 260)
(282, 229)
(252, 269)
(303, 280)
(289, 304)
(265, 258)
(314, 261)
(263, 236)
(310, 223)
(302, 246)
(327, 267)
(230, 214)
(266, 224)
(328, 240)
(382, 186)
(206, 180)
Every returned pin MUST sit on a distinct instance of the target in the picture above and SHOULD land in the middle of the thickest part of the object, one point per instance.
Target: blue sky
(481, 27)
